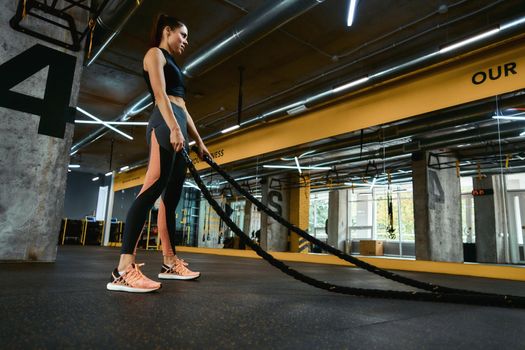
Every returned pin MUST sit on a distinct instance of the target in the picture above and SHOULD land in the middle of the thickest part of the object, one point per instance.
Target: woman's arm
(154, 62)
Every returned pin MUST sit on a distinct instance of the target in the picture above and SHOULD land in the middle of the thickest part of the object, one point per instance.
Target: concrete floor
(237, 303)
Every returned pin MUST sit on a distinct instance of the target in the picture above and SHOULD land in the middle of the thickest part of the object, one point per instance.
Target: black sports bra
(172, 75)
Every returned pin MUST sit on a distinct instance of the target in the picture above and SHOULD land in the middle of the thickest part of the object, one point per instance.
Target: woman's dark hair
(162, 22)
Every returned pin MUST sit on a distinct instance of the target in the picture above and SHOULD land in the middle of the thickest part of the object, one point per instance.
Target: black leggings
(169, 185)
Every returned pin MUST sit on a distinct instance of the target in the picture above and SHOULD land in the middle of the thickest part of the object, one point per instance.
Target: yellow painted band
(516, 273)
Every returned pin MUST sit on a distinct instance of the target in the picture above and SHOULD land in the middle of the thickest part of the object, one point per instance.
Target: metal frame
(26, 8)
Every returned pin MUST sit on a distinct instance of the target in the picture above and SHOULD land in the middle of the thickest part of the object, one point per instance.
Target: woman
(167, 135)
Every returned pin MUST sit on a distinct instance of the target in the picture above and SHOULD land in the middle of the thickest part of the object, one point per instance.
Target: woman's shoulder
(154, 54)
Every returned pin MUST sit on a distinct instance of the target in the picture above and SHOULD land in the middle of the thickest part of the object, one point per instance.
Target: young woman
(167, 134)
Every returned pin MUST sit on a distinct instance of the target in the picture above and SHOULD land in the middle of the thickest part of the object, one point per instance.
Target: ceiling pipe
(109, 24)
(251, 28)
(248, 30)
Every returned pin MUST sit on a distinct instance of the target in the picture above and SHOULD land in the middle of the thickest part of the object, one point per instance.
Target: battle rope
(437, 295)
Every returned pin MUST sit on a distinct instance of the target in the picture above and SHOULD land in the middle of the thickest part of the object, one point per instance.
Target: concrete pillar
(496, 242)
(337, 218)
(39, 87)
(274, 236)
(246, 225)
(437, 210)
(299, 212)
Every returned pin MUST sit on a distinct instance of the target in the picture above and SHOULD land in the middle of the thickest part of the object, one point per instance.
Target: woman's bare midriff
(179, 101)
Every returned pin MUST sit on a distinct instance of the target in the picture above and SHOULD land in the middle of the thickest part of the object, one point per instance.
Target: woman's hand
(203, 151)
(177, 140)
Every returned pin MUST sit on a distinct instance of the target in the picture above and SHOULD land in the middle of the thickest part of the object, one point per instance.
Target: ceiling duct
(248, 30)
(251, 28)
(109, 24)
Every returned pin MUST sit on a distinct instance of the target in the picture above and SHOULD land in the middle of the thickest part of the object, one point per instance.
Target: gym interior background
(399, 136)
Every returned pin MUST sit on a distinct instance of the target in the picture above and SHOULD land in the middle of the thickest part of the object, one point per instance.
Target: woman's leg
(157, 174)
(173, 267)
(169, 200)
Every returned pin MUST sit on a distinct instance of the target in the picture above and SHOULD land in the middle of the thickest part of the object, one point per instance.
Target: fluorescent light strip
(298, 166)
(512, 24)
(469, 40)
(293, 167)
(350, 84)
(351, 12)
(110, 123)
(507, 117)
(227, 130)
(73, 166)
(109, 174)
(95, 179)
(124, 168)
(103, 122)
(192, 143)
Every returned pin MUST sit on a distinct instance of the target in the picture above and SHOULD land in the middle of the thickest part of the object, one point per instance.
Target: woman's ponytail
(162, 22)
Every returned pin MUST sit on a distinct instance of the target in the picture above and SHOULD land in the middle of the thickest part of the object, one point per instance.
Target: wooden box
(370, 247)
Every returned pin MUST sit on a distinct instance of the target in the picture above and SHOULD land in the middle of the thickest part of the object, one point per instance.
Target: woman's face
(178, 39)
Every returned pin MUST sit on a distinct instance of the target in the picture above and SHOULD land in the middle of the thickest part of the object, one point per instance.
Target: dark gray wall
(123, 200)
(81, 195)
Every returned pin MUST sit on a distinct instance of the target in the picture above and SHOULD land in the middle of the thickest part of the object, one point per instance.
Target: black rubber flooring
(237, 304)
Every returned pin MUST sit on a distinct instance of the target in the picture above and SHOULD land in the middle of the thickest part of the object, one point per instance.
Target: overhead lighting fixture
(512, 23)
(350, 84)
(73, 166)
(124, 168)
(77, 121)
(296, 110)
(298, 166)
(351, 12)
(285, 108)
(192, 143)
(190, 185)
(231, 128)
(95, 179)
(103, 122)
(469, 40)
(73, 153)
(293, 167)
(508, 117)
(109, 173)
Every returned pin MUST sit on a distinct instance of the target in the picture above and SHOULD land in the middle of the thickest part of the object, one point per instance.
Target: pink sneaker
(179, 271)
(132, 281)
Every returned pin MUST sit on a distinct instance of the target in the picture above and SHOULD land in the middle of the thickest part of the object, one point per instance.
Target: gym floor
(238, 303)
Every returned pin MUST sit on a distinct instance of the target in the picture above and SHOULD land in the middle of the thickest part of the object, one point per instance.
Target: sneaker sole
(169, 276)
(119, 288)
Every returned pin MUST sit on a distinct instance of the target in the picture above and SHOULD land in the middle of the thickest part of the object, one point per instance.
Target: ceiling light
(95, 179)
(296, 110)
(110, 123)
(231, 128)
(508, 117)
(192, 143)
(73, 166)
(350, 84)
(124, 168)
(103, 122)
(109, 173)
(73, 153)
(351, 12)
(294, 167)
(469, 40)
(513, 23)
(298, 166)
